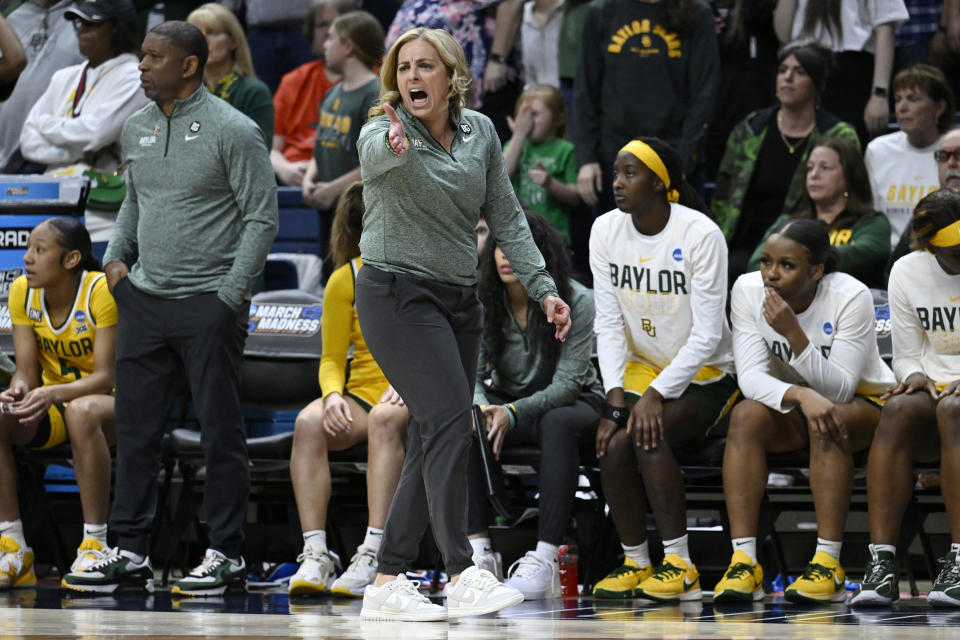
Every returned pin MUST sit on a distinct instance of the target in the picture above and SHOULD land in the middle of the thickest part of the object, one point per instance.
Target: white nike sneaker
(360, 573)
(400, 600)
(316, 573)
(535, 577)
(478, 592)
(89, 553)
(490, 561)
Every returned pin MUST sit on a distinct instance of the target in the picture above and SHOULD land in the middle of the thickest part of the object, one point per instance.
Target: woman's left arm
(509, 14)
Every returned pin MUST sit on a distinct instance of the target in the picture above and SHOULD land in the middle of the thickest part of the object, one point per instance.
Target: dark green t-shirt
(342, 114)
(557, 157)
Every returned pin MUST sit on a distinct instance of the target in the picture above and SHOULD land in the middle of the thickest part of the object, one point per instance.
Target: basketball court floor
(48, 612)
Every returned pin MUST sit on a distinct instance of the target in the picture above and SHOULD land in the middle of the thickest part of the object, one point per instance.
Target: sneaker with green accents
(214, 576)
(880, 586)
(742, 582)
(824, 580)
(946, 588)
(622, 582)
(111, 572)
(674, 580)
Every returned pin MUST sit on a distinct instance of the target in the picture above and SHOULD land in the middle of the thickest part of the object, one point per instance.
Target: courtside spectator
(838, 194)
(296, 100)
(901, 164)
(861, 35)
(539, 37)
(646, 68)
(50, 43)
(540, 162)
(761, 174)
(75, 125)
(229, 72)
(354, 45)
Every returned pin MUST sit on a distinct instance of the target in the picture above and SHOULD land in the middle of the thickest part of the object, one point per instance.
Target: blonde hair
(216, 17)
(453, 58)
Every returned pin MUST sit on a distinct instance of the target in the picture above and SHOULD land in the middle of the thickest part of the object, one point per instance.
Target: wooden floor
(47, 612)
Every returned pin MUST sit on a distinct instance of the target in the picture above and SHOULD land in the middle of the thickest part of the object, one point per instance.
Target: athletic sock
(96, 531)
(639, 553)
(481, 546)
(13, 529)
(877, 548)
(830, 547)
(315, 539)
(373, 538)
(547, 551)
(747, 545)
(678, 546)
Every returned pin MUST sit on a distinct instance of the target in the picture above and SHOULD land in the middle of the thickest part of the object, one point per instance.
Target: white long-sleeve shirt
(841, 359)
(925, 318)
(52, 136)
(660, 299)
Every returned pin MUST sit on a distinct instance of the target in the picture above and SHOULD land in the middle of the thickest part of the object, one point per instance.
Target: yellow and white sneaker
(89, 553)
(824, 580)
(622, 582)
(16, 564)
(742, 582)
(316, 573)
(673, 580)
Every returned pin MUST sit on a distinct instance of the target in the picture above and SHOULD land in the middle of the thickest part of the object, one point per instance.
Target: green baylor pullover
(201, 204)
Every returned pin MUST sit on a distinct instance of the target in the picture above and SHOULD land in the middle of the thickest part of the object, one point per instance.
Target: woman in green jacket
(838, 193)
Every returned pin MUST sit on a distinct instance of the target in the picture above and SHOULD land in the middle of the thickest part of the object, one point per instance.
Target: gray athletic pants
(425, 335)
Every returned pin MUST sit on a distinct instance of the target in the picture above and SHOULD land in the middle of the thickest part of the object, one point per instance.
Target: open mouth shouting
(418, 98)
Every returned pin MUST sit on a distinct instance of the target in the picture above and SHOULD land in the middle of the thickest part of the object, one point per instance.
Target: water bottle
(569, 579)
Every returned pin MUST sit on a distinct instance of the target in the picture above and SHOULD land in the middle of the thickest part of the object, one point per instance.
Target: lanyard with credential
(80, 89)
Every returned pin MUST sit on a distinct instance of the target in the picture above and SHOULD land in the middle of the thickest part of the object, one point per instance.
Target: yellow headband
(949, 236)
(645, 154)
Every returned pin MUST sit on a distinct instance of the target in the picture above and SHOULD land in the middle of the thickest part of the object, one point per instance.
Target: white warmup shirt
(840, 360)
(660, 299)
(858, 18)
(925, 318)
(900, 175)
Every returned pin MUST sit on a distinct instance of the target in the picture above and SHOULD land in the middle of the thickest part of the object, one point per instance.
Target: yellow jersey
(66, 352)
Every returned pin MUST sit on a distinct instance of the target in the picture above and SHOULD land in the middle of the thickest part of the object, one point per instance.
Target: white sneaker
(535, 577)
(478, 592)
(316, 573)
(400, 600)
(16, 564)
(491, 562)
(89, 553)
(360, 573)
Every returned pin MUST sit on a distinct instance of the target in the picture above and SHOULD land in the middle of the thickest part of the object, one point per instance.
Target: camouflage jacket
(740, 159)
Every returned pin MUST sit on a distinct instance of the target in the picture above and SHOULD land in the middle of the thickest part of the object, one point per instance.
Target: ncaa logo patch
(80, 316)
(677, 254)
(828, 328)
(194, 126)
